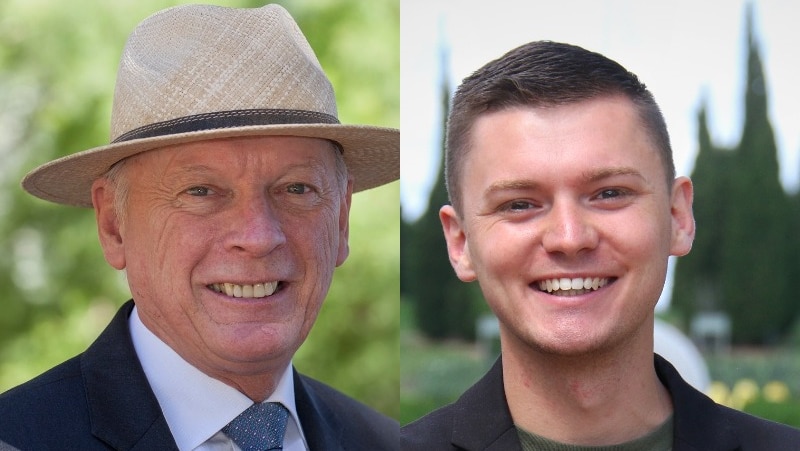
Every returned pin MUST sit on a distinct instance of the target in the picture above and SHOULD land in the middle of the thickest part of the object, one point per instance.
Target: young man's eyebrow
(605, 173)
(588, 176)
(512, 185)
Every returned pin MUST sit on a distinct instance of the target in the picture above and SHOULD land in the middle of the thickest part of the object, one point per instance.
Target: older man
(224, 195)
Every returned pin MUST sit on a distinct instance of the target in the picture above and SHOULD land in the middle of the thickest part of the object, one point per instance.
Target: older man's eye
(298, 188)
(198, 191)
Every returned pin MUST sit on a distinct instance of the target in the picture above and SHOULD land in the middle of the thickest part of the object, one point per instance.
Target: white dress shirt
(197, 406)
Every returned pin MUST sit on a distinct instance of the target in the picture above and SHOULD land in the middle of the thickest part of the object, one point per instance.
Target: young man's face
(567, 224)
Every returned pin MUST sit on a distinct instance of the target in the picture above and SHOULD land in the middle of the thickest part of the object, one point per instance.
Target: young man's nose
(568, 229)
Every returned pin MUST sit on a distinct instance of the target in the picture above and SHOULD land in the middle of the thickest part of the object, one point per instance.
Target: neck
(598, 398)
(256, 387)
(257, 380)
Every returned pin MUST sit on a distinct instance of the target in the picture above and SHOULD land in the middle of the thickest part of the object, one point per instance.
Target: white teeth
(572, 287)
(258, 290)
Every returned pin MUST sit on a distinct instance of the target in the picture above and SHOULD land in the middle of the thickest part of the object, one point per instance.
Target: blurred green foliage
(787, 412)
(759, 365)
(434, 373)
(57, 70)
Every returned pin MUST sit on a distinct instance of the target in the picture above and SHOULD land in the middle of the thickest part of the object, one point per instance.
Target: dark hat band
(227, 119)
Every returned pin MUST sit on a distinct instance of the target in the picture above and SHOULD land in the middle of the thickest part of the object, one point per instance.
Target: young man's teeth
(258, 290)
(572, 286)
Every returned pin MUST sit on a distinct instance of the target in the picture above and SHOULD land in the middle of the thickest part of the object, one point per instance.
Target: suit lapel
(123, 409)
(697, 425)
(320, 425)
(482, 420)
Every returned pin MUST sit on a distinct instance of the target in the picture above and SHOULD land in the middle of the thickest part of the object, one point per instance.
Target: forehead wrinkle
(180, 173)
(248, 171)
(199, 169)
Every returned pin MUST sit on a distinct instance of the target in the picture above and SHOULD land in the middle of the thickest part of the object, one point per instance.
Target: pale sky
(681, 49)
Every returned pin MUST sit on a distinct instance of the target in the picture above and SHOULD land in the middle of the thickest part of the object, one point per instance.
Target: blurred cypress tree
(743, 261)
(445, 306)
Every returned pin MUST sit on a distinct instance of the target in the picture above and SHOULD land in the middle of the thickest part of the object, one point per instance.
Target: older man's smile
(258, 290)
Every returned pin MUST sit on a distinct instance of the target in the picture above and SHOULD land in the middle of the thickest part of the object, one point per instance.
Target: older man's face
(230, 245)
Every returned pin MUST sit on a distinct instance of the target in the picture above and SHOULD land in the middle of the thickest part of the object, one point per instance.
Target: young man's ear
(457, 246)
(683, 227)
(108, 224)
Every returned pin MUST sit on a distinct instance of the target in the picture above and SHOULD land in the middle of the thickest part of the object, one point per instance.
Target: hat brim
(372, 155)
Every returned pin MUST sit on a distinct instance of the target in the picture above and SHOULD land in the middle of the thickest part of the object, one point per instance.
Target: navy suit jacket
(480, 420)
(101, 400)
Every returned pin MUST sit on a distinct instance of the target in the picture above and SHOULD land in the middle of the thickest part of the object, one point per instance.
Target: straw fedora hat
(200, 72)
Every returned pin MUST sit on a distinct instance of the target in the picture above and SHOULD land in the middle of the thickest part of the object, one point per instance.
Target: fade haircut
(544, 74)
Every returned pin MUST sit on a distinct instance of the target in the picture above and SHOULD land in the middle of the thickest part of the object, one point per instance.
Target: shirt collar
(195, 405)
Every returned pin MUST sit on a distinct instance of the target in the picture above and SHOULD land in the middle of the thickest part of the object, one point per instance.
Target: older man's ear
(108, 224)
(344, 224)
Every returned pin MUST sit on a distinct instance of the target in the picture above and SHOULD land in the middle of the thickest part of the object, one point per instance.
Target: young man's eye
(198, 191)
(614, 195)
(518, 205)
(610, 193)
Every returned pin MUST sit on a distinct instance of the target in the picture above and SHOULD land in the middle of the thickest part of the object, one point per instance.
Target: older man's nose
(255, 228)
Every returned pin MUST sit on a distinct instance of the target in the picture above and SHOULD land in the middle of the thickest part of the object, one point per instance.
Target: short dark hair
(544, 73)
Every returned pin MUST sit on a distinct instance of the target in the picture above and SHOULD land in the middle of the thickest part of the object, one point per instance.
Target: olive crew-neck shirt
(658, 440)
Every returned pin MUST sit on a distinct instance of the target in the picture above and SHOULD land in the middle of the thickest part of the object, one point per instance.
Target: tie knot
(259, 428)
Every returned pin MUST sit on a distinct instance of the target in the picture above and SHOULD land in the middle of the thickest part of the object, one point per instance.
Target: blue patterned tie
(259, 428)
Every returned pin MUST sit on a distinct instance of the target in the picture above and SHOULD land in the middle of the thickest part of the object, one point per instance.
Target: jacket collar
(473, 428)
(116, 386)
(696, 417)
(694, 414)
(320, 425)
